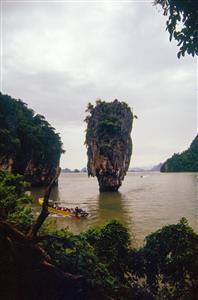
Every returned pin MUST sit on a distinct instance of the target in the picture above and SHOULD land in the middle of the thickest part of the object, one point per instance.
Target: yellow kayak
(59, 211)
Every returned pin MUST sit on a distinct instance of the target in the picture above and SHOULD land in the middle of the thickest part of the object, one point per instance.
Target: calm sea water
(145, 202)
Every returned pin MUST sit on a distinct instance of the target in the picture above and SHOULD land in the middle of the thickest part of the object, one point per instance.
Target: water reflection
(110, 206)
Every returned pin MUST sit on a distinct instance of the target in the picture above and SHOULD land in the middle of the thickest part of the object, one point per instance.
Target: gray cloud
(59, 56)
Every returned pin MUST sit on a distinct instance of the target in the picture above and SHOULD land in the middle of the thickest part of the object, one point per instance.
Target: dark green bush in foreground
(166, 267)
(14, 203)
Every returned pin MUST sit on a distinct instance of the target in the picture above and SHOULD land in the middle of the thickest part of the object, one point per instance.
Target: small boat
(65, 212)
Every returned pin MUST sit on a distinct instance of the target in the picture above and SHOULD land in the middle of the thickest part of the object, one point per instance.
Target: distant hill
(186, 161)
(67, 170)
(137, 169)
(146, 168)
(134, 169)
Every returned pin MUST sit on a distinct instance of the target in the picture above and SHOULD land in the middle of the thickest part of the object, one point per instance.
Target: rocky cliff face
(37, 174)
(108, 140)
(28, 144)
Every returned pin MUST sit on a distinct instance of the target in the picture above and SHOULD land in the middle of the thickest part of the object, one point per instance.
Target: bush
(171, 261)
(14, 203)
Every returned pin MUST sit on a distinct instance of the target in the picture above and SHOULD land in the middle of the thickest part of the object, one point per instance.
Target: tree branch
(44, 211)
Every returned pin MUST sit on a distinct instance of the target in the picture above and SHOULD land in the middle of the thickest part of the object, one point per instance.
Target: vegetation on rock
(187, 161)
(28, 144)
(108, 141)
(182, 23)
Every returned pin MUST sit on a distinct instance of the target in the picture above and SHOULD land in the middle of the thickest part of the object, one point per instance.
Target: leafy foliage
(14, 203)
(187, 161)
(75, 255)
(164, 268)
(182, 23)
(171, 261)
(109, 241)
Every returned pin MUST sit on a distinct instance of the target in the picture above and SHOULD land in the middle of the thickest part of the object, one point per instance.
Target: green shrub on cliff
(187, 161)
(28, 143)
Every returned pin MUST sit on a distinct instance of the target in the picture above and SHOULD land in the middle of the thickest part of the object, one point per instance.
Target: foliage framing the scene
(182, 24)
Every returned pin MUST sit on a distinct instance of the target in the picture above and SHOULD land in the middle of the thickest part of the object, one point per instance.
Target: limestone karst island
(108, 141)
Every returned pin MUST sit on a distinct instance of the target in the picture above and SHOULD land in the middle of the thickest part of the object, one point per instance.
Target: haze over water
(145, 202)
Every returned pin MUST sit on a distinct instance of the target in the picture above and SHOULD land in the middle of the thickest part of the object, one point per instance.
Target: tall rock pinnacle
(108, 141)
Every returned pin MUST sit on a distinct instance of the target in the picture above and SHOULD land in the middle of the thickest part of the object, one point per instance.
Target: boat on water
(77, 213)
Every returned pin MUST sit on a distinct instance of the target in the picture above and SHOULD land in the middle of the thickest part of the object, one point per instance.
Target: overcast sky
(58, 56)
